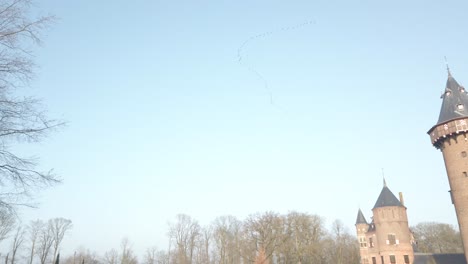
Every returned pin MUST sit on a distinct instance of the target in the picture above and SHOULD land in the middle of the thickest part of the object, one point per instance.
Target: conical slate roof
(455, 101)
(360, 218)
(386, 198)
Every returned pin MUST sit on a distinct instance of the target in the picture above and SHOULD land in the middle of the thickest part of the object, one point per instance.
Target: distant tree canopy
(21, 118)
(432, 237)
(265, 238)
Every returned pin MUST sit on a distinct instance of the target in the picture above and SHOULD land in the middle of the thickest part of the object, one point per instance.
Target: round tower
(392, 230)
(450, 136)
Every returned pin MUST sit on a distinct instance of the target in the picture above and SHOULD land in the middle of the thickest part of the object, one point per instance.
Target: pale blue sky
(164, 119)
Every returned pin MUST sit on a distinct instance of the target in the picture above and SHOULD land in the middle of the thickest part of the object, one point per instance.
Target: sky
(211, 108)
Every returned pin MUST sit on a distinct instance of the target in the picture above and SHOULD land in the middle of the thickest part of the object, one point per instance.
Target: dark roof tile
(360, 218)
(454, 102)
(387, 198)
(439, 259)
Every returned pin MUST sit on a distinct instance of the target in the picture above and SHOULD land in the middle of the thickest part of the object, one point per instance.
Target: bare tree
(226, 232)
(184, 233)
(21, 118)
(46, 240)
(263, 232)
(151, 255)
(34, 230)
(304, 236)
(437, 238)
(341, 247)
(81, 255)
(17, 242)
(59, 227)
(162, 257)
(7, 223)
(127, 256)
(261, 257)
(111, 257)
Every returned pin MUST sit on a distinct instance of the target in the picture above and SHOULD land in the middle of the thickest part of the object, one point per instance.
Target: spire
(383, 176)
(454, 101)
(386, 198)
(360, 218)
(448, 68)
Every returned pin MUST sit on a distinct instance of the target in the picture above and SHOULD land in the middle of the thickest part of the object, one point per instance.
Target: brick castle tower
(387, 239)
(450, 136)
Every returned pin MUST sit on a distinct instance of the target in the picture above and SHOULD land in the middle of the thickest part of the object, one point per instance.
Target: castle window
(391, 239)
(406, 259)
(371, 242)
(381, 258)
(392, 259)
(362, 242)
(463, 154)
(374, 260)
(365, 261)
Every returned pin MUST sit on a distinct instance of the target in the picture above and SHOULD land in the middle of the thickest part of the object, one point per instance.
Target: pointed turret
(360, 218)
(387, 198)
(453, 117)
(455, 101)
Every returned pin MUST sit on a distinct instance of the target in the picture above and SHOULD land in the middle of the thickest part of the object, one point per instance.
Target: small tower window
(391, 239)
(465, 174)
(371, 242)
(406, 259)
(460, 107)
(374, 260)
(392, 259)
(463, 154)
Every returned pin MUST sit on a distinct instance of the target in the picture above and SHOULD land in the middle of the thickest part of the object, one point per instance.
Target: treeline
(432, 237)
(37, 242)
(291, 238)
(261, 238)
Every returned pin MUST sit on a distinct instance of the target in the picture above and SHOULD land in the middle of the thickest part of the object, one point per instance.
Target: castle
(387, 238)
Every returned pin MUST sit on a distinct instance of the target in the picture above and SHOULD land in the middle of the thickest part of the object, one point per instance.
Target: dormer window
(460, 107)
(448, 92)
(462, 89)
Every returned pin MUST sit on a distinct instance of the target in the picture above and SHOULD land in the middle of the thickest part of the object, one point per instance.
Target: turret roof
(360, 218)
(454, 101)
(386, 198)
